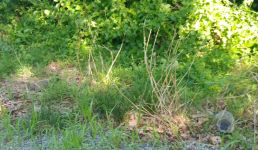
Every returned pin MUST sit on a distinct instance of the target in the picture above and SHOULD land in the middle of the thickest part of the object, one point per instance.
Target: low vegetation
(127, 74)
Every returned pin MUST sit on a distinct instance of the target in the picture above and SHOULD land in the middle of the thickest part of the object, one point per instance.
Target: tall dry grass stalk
(165, 88)
(170, 116)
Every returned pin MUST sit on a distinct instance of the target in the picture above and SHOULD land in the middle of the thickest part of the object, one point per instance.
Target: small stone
(225, 121)
(224, 125)
(33, 87)
(43, 83)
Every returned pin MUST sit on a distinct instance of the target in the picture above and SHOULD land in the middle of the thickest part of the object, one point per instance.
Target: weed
(6, 66)
(57, 105)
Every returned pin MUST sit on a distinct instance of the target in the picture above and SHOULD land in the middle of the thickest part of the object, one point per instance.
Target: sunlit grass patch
(24, 72)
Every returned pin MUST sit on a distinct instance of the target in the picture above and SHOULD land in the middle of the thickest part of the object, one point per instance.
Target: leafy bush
(221, 40)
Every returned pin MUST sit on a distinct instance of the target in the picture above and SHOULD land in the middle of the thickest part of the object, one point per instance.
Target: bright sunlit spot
(25, 72)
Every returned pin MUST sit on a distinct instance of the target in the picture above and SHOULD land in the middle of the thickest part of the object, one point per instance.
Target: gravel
(45, 142)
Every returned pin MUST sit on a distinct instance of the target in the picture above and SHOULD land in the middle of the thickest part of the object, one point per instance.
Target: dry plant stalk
(165, 88)
(113, 62)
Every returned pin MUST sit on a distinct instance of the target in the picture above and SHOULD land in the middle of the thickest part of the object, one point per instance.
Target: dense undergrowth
(156, 57)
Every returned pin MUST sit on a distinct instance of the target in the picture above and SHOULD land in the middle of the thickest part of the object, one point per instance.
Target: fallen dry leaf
(215, 140)
(160, 129)
(221, 104)
(132, 121)
(53, 67)
(201, 121)
(181, 122)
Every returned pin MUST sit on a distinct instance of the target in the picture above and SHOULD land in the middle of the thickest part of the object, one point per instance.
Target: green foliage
(134, 83)
(58, 104)
(126, 88)
(6, 54)
(58, 91)
(238, 139)
(69, 27)
(48, 31)
(73, 139)
(7, 67)
(221, 39)
(108, 101)
(216, 54)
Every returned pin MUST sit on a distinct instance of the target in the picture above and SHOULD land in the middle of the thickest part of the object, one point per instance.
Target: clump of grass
(6, 66)
(107, 100)
(7, 130)
(58, 103)
(57, 107)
